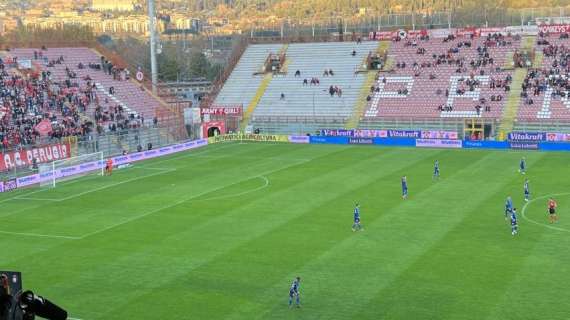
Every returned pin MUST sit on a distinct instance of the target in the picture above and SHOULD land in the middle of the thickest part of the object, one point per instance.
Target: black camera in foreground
(18, 305)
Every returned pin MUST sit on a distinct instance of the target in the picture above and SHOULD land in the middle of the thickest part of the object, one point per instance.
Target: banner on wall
(10, 185)
(527, 136)
(439, 143)
(404, 134)
(249, 137)
(434, 134)
(24, 158)
(360, 141)
(337, 133)
(558, 137)
(364, 133)
(299, 139)
(1, 186)
(554, 28)
(523, 145)
(225, 110)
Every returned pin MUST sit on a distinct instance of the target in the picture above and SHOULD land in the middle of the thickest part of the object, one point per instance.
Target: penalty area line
(39, 235)
(36, 199)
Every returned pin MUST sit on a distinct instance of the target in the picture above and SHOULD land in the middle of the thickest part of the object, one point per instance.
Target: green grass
(220, 232)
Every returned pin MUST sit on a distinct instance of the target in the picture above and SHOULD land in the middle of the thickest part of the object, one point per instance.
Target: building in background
(112, 5)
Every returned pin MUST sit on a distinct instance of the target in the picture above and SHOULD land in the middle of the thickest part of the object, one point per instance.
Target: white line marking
(68, 182)
(192, 154)
(265, 185)
(151, 168)
(113, 185)
(539, 223)
(35, 199)
(28, 234)
(183, 200)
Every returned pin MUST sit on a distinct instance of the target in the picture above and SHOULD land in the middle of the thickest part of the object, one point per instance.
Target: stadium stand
(241, 86)
(546, 87)
(333, 96)
(26, 101)
(115, 102)
(454, 77)
(285, 102)
(451, 78)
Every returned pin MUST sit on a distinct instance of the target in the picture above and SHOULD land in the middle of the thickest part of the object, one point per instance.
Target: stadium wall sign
(10, 185)
(527, 136)
(523, 145)
(43, 154)
(468, 144)
(439, 143)
(298, 139)
(248, 137)
(360, 141)
(554, 28)
(558, 137)
(1, 186)
(233, 111)
(404, 133)
(462, 32)
(365, 133)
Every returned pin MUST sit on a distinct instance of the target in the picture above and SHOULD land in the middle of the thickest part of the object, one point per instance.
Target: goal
(75, 167)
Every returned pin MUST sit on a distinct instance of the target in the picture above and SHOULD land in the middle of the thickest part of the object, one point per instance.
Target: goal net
(72, 168)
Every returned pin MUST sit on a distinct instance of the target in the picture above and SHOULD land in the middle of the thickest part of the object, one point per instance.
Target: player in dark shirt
(436, 170)
(514, 223)
(404, 187)
(294, 292)
(552, 217)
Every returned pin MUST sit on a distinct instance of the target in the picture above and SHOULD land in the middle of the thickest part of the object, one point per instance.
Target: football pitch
(220, 233)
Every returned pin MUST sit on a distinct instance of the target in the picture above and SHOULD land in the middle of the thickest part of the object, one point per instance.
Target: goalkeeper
(109, 167)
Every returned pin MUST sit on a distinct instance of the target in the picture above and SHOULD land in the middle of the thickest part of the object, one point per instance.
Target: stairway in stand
(361, 103)
(514, 99)
(261, 91)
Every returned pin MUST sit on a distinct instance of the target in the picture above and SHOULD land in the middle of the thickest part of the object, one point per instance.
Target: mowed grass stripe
(235, 257)
(439, 287)
(106, 254)
(243, 228)
(10, 203)
(288, 233)
(99, 211)
(318, 283)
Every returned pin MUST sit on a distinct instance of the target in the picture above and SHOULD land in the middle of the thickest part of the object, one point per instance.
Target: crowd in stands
(30, 98)
(466, 55)
(71, 105)
(556, 75)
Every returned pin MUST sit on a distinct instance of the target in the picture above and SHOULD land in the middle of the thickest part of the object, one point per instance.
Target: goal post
(71, 168)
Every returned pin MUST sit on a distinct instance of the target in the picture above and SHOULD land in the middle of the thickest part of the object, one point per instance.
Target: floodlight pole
(152, 30)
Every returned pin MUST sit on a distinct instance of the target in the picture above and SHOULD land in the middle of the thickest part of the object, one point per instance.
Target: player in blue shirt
(508, 207)
(404, 188)
(514, 224)
(294, 292)
(356, 225)
(522, 166)
(526, 190)
(436, 170)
